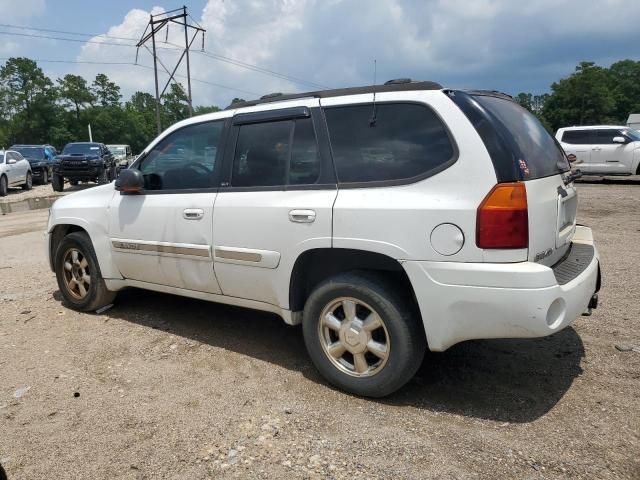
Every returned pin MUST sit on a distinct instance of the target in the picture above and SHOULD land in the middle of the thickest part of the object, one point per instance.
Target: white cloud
(480, 43)
(12, 9)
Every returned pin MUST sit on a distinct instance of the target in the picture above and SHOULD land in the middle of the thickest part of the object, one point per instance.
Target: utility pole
(156, 24)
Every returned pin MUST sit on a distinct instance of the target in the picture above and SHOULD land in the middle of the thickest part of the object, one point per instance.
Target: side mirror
(130, 181)
(619, 140)
(11, 161)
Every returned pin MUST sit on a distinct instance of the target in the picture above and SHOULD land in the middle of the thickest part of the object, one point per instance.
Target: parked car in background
(602, 149)
(41, 158)
(385, 219)
(15, 171)
(83, 162)
(122, 155)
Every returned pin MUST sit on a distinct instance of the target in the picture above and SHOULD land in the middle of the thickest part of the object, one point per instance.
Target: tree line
(36, 109)
(591, 95)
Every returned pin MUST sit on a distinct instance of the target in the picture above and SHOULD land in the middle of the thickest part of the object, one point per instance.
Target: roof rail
(396, 86)
(398, 81)
(271, 95)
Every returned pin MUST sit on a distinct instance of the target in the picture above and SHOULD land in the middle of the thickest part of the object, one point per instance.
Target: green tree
(28, 98)
(106, 91)
(202, 109)
(175, 105)
(75, 92)
(584, 98)
(624, 82)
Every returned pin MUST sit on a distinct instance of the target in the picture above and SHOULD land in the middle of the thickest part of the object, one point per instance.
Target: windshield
(538, 153)
(81, 148)
(632, 134)
(30, 152)
(118, 150)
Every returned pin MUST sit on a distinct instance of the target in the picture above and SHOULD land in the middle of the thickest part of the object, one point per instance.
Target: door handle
(302, 216)
(193, 213)
(596, 149)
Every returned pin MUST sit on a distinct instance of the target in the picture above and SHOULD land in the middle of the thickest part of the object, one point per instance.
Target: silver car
(15, 171)
(122, 155)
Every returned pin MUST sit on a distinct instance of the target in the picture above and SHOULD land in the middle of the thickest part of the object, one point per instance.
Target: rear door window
(279, 153)
(578, 137)
(387, 142)
(536, 153)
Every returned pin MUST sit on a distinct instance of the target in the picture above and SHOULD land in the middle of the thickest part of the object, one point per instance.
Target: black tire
(28, 184)
(406, 340)
(3, 186)
(45, 177)
(57, 183)
(97, 294)
(102, 177)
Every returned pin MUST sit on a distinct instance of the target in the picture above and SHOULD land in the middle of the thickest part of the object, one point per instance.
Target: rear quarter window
(538, 153)
(396, 142)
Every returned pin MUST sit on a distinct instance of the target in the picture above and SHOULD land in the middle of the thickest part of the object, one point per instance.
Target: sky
(254, 47)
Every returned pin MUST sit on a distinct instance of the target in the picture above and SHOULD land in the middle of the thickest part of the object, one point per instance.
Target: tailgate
(552, 218)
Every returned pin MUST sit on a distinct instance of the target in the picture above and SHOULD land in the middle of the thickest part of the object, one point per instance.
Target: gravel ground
(166, 387)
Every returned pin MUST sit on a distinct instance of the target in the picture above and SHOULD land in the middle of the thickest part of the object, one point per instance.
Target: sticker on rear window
(524, 168)
(94, 148)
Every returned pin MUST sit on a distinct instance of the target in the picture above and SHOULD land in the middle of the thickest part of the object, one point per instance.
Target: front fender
(99, 238)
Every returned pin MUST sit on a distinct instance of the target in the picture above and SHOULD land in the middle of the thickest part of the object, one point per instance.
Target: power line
(39, 60)
(8, 25)
(211, 55)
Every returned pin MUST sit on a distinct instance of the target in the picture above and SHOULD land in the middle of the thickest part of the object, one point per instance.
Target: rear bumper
(464, 301)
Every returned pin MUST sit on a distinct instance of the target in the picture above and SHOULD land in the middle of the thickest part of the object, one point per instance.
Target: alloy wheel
(76, 273)
(354, 337)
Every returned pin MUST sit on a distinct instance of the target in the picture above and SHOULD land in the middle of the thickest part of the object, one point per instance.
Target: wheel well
(58, 233)
(314, 266)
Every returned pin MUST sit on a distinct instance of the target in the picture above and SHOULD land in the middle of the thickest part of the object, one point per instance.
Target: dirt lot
(166, 387)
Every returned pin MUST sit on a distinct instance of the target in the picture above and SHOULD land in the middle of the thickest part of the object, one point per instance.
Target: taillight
(503, 220)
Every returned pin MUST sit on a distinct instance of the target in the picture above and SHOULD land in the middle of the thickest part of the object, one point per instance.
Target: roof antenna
(374, 115)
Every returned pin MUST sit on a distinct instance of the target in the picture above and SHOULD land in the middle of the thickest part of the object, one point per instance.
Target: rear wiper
(574, 175)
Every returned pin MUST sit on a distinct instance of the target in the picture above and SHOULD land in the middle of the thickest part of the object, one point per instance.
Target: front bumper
(465, 301)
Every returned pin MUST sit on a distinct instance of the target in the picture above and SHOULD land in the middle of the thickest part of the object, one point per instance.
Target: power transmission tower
(157, 23)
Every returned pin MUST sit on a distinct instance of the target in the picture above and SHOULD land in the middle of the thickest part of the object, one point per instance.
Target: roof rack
(390, 86)
(399, 81)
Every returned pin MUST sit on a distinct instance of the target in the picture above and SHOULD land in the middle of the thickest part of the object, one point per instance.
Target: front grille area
(574, 263)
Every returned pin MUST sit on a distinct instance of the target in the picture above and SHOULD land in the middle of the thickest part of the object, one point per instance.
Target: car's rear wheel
(28, 183)
(57, 183)
(3, 186)
(362, 334)
(78, 274)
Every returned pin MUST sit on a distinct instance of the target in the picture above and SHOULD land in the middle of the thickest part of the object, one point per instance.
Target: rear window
(536, 153)
(30, 152)
(405, 141)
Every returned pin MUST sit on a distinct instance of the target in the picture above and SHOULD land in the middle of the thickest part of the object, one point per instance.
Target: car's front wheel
(45, 177)
(78, 274)
(362, 334)
(57, 182)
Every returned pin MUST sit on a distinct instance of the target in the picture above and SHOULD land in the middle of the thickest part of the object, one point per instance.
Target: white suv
(384, 219)
(602, 149)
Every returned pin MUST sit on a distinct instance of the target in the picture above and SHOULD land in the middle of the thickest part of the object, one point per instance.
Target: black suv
(83, 162)
(41, 159)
